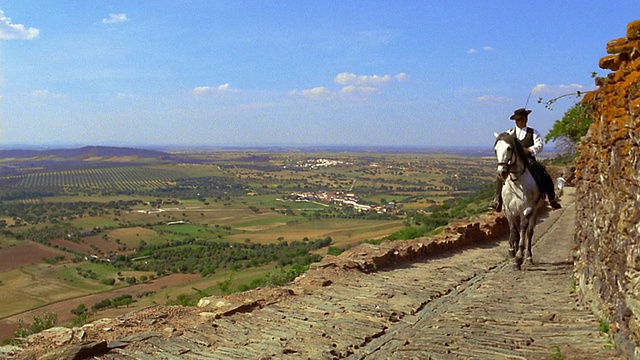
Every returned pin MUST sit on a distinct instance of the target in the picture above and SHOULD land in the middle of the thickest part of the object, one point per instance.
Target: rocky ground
(456, 296)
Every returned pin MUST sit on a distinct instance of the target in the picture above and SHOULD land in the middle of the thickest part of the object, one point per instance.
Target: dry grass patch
(262, 227)
(33, 286)
(342, 232)
(133, 236)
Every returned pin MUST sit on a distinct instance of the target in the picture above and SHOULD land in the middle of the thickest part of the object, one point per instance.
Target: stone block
(633, 30)
(616, 46)
(611, 62)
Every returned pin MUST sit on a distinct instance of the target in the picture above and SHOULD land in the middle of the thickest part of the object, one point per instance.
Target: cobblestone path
(504, 313)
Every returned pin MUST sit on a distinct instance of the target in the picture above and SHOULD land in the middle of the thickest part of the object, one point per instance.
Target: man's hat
(520, 113)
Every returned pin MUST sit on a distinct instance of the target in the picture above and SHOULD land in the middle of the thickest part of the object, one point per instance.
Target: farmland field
(25, 253)
(113, 225)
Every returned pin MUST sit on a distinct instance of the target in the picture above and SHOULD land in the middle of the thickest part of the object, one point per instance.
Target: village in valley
(346, 199)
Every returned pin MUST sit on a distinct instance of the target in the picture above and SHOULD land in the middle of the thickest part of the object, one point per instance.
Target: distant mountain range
(174, 153)
(87, 152)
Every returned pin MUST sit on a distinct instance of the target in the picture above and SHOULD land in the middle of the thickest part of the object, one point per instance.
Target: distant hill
(84, 153)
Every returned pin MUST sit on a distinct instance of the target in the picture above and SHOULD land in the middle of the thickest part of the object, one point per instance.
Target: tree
(573, 125)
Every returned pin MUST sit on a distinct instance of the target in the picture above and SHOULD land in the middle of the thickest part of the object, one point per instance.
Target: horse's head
(508, 150)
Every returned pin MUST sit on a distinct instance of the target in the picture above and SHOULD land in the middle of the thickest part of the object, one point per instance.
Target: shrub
(81, 309)
(38, 324)
(335, 251)
(108, 281)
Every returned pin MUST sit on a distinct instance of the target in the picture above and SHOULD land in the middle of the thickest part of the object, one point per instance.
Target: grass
(267, 220)
(603, 326)
(73, 276)
(34, 286)
(341, 231)
(92, 222)
(132, 236)
(187, 230)
(6, 241)
(556, 355)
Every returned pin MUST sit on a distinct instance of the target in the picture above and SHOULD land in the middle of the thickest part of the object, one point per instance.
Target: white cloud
(353, 89)
(556, 89)
(46, 94)
(374, 79)
(319, 92)
(115, 18)
(353, 85)
(208, 90)
(9, 31)
(347, 78)
(484, 48)
(492, 98)
(347, 92)
(401, 77)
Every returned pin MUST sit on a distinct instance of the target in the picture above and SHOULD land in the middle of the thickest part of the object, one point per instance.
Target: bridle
(513, 161)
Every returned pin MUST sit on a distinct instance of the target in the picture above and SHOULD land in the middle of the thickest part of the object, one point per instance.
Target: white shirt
(538, 144)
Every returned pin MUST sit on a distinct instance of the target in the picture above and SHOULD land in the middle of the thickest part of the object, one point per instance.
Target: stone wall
(608, 194)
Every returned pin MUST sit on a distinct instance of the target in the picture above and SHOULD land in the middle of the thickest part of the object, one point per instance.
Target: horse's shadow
(563, 265)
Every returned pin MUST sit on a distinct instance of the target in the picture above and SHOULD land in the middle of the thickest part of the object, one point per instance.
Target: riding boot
(553, 202)
(496, 204)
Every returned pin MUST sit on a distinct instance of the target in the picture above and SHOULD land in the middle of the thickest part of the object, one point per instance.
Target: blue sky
(238, 73)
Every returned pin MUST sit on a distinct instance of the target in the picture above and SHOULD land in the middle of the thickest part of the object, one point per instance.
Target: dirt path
(469, 304)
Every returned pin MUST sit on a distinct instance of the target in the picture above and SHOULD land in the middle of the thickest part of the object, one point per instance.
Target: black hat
(520, 113)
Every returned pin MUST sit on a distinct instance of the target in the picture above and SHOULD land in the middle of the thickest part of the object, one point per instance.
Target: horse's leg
(526, 226)
(520, 249)
(513, 240)
(516, 237)
(530, 241)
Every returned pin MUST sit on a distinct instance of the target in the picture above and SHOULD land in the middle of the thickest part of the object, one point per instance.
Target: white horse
(520, 194)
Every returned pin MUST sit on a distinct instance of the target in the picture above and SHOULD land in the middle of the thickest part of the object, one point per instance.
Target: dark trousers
(540, 175)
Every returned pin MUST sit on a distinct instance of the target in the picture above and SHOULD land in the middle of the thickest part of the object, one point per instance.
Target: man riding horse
(532, 143)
